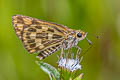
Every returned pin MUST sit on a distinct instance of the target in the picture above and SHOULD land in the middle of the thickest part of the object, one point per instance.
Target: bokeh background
(97, 17)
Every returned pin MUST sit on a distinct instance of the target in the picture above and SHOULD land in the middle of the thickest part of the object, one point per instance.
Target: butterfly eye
(79, 35)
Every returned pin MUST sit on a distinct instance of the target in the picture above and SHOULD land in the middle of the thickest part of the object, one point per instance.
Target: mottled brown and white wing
(39, 36)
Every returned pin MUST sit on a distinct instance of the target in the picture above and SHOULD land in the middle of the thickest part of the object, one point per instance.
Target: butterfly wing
(39, 36)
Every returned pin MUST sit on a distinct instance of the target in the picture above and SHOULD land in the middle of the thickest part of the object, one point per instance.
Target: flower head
(70, 64)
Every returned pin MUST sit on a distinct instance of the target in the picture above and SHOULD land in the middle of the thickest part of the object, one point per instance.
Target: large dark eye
(79, 35)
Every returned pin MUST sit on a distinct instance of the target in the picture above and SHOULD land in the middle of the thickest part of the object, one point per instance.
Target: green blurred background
(97, 17)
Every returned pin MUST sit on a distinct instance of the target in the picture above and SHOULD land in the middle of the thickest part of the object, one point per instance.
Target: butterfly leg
(69, 52)
(78, 51)
(62, 52)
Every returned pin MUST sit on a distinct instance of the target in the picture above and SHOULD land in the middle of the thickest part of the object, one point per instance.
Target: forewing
(38, 35)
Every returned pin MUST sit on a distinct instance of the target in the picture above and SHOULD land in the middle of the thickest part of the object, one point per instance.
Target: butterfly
(45, 37)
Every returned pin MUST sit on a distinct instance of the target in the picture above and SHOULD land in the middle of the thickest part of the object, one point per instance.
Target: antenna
(90, 43)
(98, 37)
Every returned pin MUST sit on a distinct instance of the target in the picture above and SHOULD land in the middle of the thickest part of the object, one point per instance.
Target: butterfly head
(74, 37)
(80, 35)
